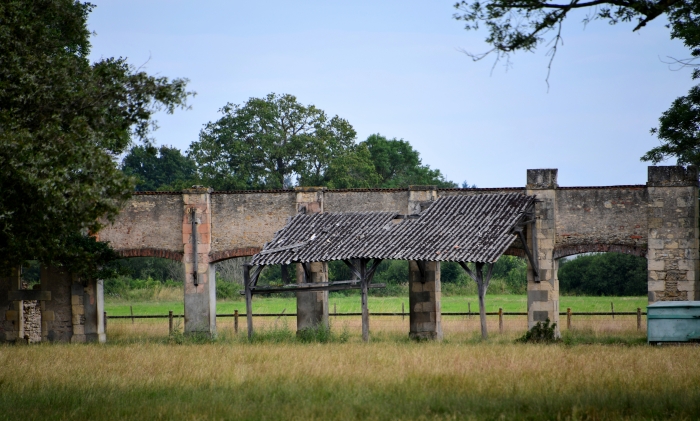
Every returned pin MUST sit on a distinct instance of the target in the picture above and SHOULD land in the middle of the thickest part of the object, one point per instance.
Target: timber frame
(360, 268)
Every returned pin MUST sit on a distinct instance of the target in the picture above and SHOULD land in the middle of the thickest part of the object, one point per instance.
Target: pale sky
(395, 68)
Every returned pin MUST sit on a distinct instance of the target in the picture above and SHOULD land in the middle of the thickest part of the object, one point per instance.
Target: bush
(227, 290)
(540, 333)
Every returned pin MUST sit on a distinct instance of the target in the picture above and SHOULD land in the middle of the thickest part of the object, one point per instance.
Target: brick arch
(230, 254)
(570, 250)
(151, 252)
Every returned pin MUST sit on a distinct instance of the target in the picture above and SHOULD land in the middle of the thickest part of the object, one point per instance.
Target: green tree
(524, 25)
(612, 274)
(266, 142)
(165, 168)
(63, 122)
(399, 165)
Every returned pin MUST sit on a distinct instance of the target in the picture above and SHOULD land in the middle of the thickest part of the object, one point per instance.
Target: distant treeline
(600, 274)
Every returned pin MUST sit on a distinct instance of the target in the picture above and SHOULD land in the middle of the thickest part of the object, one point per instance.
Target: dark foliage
(611, 274)
(540, 333)
(164, 169)
(63, 121)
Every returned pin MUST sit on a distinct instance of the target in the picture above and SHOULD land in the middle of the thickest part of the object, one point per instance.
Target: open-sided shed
(464, 229)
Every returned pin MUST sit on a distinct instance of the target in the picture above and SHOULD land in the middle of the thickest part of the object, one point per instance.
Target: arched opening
(143, 284)
(30, 277)
(612, 274)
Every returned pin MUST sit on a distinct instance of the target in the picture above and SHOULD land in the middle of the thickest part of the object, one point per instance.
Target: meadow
(601, 369)
(279, 377)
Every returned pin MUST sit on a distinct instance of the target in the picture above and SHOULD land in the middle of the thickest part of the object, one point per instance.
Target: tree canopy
(399, 165)
(164, 168)
(266, 142)
(276, 142)
(524, 25)
(63, 122)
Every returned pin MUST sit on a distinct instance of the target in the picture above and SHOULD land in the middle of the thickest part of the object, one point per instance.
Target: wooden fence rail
(500, 313)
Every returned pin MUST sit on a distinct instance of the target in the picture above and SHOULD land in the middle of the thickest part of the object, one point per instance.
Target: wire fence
(453, 323)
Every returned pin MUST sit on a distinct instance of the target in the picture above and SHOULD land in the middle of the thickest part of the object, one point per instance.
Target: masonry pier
(424, 300)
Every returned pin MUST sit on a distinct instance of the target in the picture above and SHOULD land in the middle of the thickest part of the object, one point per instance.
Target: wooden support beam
(532, 256)
(421, 269)
(482, 284)
(352, 268)
(365, 310)
(312, 286)
(248, 299)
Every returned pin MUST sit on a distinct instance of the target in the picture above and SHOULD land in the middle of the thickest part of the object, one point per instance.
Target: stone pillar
(420, 197)
(57, 315)
(200, 281)
(543, 296)
(11, 312)
(424, 301)
(312, 307)
(672, 256)
(78, 318)
(423, 290)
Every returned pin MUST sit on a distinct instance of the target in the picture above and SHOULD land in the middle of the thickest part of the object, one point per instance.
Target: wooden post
(612, 310)
(131, 308)
(403, 311)
(500, 320)
(170, 322)
(568, 318)
(248, 300)
(639, 318)
(365, 310)
(235, 322)
(105, 319)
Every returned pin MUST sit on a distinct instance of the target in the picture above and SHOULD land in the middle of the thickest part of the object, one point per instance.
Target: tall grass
(381, 380)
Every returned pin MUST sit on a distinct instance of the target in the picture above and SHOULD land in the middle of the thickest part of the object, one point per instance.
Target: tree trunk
(482, 310)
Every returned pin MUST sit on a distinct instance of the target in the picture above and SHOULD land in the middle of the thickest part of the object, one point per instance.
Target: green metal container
(673, 321)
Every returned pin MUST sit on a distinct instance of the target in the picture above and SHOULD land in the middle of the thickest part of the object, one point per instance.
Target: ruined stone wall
(149, 225)
(7, 327)
(56, 314)
(366, 201)
(602, 219)
(673, 262)
(247, 220)
(32, 320)
(470, 192)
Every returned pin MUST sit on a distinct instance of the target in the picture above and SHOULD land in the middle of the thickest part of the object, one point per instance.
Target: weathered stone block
(540, 316)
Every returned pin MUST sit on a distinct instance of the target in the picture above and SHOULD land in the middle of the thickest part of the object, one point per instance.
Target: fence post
(131, 308)
(568, 318)
(105, 319)
(469, 306)
(403, 316)
(612, 310)
(639, 318)
(235, 322)
(170, 322)
(500, 320)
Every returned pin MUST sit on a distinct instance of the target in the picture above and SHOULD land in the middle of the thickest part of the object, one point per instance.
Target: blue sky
(396, 68)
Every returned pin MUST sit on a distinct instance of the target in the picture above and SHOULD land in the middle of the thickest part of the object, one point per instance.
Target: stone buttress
(543, 296)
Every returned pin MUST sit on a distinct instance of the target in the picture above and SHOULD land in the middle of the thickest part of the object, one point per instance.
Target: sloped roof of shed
(474, 228)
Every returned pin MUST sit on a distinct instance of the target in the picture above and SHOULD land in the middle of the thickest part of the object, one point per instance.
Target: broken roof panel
(473, 228)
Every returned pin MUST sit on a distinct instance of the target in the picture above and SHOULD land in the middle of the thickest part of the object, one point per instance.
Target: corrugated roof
(474, 228)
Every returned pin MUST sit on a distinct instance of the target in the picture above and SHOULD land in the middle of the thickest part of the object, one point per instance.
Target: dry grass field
(601, 371)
